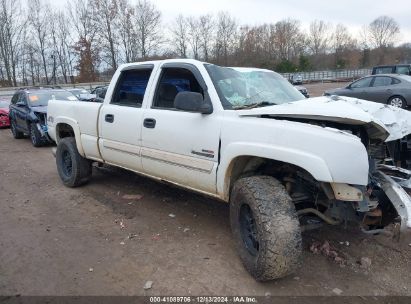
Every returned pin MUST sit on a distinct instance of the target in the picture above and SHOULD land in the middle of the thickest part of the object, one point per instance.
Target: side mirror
(20, 104)
(192, 102)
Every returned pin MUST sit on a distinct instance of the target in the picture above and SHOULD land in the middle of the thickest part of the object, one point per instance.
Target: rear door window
(131, 88)
(382, 81)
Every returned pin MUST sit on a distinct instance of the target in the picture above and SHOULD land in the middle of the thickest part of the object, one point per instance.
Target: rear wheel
(397, 101)
(74, 170)
(16, 134)
(265, 227)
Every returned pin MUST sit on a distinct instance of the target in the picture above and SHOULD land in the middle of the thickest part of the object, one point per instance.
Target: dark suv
(392, 69)
(100, 93)
(28, 112)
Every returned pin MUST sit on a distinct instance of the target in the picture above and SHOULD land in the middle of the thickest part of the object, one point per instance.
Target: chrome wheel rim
(396, 102)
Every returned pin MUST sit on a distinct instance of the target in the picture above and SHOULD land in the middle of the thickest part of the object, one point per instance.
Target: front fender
(348, 164)
(313, 164)
(53, 131)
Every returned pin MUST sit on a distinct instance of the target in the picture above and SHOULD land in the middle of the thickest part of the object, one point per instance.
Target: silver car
(390, 89)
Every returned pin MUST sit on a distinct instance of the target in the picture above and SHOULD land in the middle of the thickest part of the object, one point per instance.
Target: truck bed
(85, 115)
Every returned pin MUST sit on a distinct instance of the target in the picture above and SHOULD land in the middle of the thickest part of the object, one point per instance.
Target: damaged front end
(39, 120)
(383, 206)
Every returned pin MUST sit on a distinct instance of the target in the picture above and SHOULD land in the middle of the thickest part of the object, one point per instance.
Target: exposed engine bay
(383, 206)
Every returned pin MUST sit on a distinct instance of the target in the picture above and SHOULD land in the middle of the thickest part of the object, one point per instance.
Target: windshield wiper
(255, 105)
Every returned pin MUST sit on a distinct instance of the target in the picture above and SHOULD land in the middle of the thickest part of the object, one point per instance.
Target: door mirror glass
(192, 102)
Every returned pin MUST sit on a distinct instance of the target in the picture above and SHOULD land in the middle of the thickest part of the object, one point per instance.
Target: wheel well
(393, 96)
(245, 166)
(64, 130)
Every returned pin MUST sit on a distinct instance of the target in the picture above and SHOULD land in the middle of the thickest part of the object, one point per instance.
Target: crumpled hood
(42, 109)
(382, 121)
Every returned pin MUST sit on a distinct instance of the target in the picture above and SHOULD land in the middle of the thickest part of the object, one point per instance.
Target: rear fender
(73, 124)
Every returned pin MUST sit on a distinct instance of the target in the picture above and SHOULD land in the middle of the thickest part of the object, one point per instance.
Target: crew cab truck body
(247, 137)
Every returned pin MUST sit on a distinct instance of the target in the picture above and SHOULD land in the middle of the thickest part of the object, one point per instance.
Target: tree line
(40, 44)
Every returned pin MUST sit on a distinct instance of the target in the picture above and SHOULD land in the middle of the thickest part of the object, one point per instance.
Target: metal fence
(88, 86)
(325, 76)
(316, 76)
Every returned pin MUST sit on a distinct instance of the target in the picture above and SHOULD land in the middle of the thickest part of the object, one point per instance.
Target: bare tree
(39, 19)
(83, 18)
(254, 46)
(318, 37)
(107, 12)
(225, 37)
(126, 31)
(383, 31)
(194, 35)
(148, 27)
(341, 43)
(180, 35)
(288, 39)
(381, 34)
(61, 35)
(206, 29)
(11, 30)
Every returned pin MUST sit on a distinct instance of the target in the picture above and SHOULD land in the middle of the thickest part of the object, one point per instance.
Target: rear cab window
(131, 87)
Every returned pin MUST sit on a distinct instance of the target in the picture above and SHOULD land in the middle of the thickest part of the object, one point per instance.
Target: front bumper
(400, 200)
(43, 129)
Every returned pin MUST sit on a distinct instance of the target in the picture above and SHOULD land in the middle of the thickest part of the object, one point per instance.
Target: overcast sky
(352, 13)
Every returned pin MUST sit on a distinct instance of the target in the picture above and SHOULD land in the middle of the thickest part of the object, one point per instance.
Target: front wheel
(35, 136)
(74, 170)
(265, 227)
(397, 101)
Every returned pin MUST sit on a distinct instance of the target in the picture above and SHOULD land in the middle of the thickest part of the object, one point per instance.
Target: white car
(246, 137)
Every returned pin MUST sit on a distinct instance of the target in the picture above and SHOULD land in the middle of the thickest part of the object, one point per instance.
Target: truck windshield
(41, 99)
(242, 88)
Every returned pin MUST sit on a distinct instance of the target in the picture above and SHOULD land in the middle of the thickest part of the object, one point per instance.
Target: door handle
(149, 123)
(109, 118)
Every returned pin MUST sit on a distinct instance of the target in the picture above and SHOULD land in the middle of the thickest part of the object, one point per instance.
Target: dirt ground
(94, 240)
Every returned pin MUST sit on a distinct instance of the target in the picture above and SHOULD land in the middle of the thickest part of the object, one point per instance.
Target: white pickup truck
(247, 137)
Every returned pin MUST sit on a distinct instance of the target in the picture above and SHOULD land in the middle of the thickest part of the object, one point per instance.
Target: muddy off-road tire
(74, 170)
(265, 227)
(16, 134)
